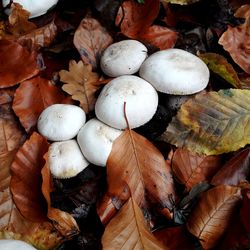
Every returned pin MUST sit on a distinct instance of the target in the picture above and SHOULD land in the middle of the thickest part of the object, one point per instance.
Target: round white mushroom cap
(175, 71)
(123, 58)
(15, 245)
(35, 7)
(60, 122)
(95, 139)
(66, 159)
(140, 97)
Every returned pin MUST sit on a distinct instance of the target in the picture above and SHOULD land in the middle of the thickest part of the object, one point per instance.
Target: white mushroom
(15, 245)
(61, 122)
(66, 159)
(35, 7)
(95, 139)
(175, 71)
(140, 97)
(123, 58)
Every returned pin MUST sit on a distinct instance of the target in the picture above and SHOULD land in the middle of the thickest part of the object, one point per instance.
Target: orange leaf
(16, 63)
(127, 230)
(191, 168)
(32, 97)
(211, 216)
(91, 39)
(62, 221)
(26, 180)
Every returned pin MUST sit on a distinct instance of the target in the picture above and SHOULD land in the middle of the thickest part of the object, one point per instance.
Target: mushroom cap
(175, 71)
(60, 122)
(66, 159)
(35, 7)
(95, 139)
(15, 245)
(140, 97)
(123, 58)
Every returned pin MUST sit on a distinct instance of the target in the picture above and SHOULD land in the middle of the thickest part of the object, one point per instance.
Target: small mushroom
(123, 58)
(35, 7)
(95, 139)
(15, 245)
(140, 97)
(66, 159)
(60, 122)
(176, 72)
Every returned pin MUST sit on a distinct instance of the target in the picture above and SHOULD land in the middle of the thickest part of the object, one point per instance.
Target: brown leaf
(191, 168)
(81, 84)
(62, 221)
(26, 180)
(91, 39)
(32, 97)
(211, 216)
(16, 63)
(136, 163)
(128, 230)
(235, 170)
(244, 212)
(7, 95)
(236, 40)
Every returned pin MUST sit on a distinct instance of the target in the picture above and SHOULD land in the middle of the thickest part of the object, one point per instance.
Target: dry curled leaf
(81, 84)
(211, 215)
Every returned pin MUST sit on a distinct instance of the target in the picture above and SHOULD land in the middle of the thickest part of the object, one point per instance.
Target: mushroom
(140, 97)
(95, 139)
(123, 58)
(35, 7)
(15, 245)
(60, 122)
(175, 71)
(66, 159)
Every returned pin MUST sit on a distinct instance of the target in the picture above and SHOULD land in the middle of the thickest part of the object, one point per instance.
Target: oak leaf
(211, 216)
(81, 84)
(207, 123)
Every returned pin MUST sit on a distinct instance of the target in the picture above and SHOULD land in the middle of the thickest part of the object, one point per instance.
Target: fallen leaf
(26, 179)
(236, 40)
(81, 84)
(128, 230)
(32, 97)
(181, 2)
(91, 39)
(207, 123)
(244, 81)
(211, 216)
(191, 168)
(7, 95)
(235, 170)
(244, 212)
(16, 63)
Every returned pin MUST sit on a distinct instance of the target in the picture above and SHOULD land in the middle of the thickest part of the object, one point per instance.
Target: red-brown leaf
(91, 39)
(16, 63)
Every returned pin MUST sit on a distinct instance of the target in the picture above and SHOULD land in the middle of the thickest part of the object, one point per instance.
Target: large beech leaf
(211, 216)
(62, 221)
(32, 97)
(235, 170)
(191, 168)
(91, 39)
(26, 180)
(81, 84)
(16, 63)
(128, 230)
(212, 123)
(236, 39)
(136, 163)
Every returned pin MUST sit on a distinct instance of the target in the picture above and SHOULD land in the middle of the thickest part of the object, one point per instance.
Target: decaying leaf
(26, 179)
(212, 123)
(32, 97)
(191, 168)
(91, 39)
(211, 216)
(81, 84)
(128, 230)
(16, 63)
